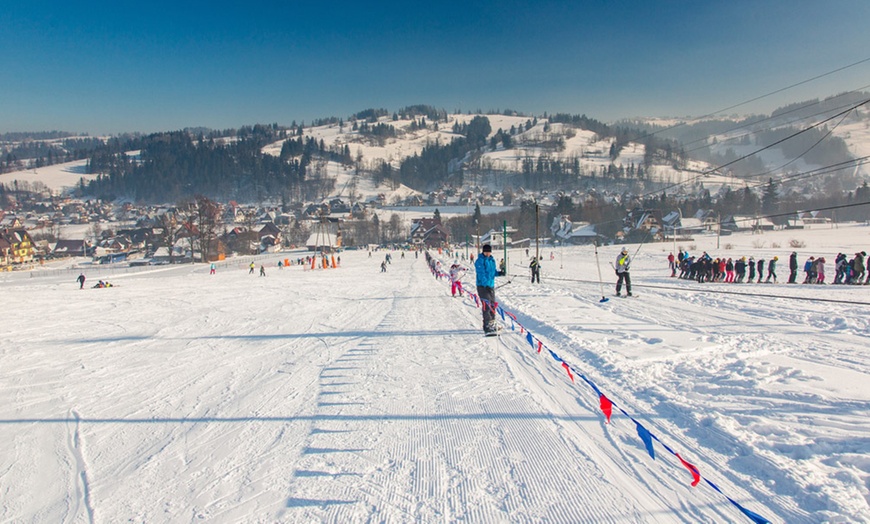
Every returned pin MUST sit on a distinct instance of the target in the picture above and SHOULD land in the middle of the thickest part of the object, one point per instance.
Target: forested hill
(238, 164)
(167, 167)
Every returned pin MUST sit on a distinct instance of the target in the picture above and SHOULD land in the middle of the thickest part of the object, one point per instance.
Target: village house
(17, 246)
(70, 248)
(429, 232)
(568, 232)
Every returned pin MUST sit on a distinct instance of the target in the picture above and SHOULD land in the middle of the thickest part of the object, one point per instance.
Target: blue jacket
(484, 266)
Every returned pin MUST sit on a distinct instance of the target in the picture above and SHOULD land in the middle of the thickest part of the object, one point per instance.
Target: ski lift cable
(772, 117)
(757, 98)
(798, 157)
(769, 146)
(806, 174)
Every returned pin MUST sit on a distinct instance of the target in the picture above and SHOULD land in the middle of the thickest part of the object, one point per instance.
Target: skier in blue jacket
(485, 270)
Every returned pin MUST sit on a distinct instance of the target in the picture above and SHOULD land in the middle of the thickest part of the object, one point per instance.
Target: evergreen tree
(770, 199)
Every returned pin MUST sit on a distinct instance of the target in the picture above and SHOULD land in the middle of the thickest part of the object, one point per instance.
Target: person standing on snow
(485, 270)
(771, 269)
(251, 271)
(456, 272)
(840, 267)
(81, 281)
(535, 266)
(858, 267)
(262, 271)
(740, 269)
(211, 269)
(760, 265)
(623, 261)
(792, 268)
(808, 270)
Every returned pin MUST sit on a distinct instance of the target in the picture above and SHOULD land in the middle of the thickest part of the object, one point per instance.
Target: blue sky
(157, 66)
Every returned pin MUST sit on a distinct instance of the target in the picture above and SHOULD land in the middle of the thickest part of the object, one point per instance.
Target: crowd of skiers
(705, 268)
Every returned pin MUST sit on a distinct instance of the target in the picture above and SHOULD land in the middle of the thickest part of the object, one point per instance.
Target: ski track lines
(307, 397)
(179, 409)
(433, 425)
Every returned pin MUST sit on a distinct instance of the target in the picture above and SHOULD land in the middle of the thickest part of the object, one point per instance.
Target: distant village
(34, 230)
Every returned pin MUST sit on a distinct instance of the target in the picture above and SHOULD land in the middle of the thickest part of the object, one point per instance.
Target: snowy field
(56, 177)
(351, 395)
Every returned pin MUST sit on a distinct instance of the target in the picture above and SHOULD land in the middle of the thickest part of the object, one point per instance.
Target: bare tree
(169, 223)
(208, 221)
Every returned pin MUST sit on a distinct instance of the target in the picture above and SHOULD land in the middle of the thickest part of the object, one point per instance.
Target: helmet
(624, 251)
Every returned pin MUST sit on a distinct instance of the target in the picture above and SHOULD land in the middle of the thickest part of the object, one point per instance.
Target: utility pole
(537, 209)
(504, 241)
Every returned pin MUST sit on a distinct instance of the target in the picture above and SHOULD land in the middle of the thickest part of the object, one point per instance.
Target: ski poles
(600, 282)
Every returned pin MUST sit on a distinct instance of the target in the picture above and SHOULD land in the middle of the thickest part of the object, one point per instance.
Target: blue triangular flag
(645, 436)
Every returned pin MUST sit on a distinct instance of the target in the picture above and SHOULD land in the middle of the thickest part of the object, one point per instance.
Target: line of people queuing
(705, 268)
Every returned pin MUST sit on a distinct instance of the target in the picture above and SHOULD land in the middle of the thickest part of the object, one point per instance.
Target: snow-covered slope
(55, 177)
(350, 395)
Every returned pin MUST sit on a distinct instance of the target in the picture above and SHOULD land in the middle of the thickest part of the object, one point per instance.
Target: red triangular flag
(696, 475)
(541, 345)
(564, 365)
(606, 406)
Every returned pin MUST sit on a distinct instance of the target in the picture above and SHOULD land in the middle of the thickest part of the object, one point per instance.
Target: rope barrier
(723, 292)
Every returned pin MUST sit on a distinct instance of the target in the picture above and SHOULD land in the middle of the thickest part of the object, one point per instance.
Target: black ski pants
(623, 277)
(487, 295)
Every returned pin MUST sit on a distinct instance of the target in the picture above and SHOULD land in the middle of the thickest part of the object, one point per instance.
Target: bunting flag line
(607, 405)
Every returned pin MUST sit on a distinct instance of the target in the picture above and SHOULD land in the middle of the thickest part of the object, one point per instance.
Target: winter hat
(625, 251)
(487, 248)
